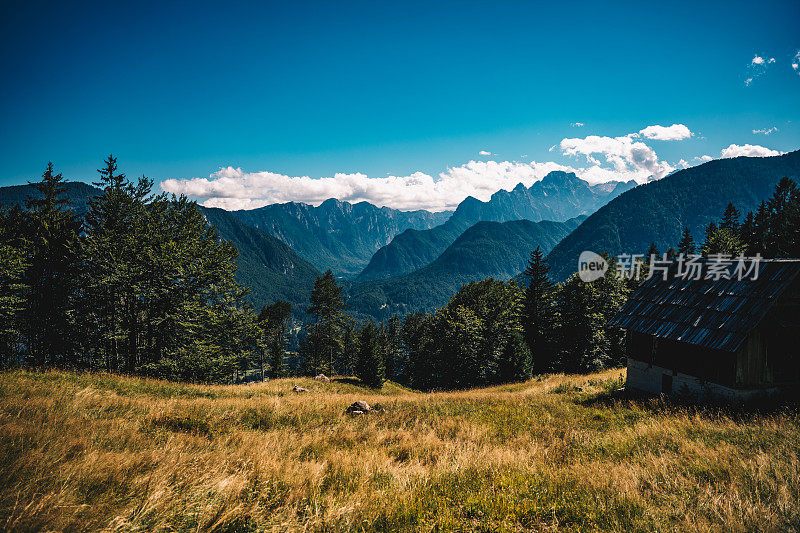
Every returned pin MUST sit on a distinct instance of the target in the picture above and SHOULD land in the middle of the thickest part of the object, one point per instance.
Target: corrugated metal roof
(717, 314)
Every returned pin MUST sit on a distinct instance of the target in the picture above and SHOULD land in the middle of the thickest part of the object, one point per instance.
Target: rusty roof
(717, 314)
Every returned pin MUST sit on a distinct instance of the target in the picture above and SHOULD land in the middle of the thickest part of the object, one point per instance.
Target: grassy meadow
(102, 452)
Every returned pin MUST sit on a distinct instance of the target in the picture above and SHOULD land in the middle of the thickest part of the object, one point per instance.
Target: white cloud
(765, 131)
(704, 158)
(749, 150)
(676, 132)
(484, 152)
(577, 124)
(757, 67)
(233, 188)
(796, 62)
(623, 157)
(607, 158)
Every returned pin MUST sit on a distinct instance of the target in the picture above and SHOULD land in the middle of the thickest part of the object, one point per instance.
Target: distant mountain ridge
(559, 196)
(77, 192)
(487, 249)
(336, 234)
(658, 211)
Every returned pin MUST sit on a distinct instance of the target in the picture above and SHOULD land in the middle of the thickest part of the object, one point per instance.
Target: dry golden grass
(99, 452)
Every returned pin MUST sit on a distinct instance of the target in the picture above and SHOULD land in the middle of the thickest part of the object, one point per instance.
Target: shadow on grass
(784, 404)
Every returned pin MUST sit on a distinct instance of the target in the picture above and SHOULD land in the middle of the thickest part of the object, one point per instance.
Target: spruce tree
(51, 275)
(273, 321)
(730, 218)
(540, 316)
(370, 366)
(327, 307)
(686, 246)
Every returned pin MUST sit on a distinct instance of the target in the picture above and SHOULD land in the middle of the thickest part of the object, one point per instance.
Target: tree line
(140, 284)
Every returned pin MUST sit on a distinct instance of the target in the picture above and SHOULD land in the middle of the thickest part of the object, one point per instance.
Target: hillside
(486, 250)
(658, 211)
(78, 193)
(337, 235)
(100, 452)
(559, 196)
(266, 265)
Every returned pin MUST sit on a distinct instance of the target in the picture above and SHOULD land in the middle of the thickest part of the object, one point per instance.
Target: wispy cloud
(796, 62)
(484, 152)
(757, 67)
(577, 124)
(765, 131)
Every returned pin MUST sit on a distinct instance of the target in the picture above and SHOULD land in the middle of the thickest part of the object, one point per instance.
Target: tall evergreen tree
(370, 367)
(686, 246)
(273, 321)
(51, 275)
(327, 308)
(730, 218)
(540, 317)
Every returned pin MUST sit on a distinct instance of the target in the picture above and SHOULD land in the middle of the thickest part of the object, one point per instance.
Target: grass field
(100, 452)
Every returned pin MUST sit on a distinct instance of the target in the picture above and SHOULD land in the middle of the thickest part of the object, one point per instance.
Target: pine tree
(51, 274)
(686, 246)
(730, 218)
(782, 210)
(273, 321)
(540, 316)
(419, 344)
(390, 343)
(370, 367)
(327, 307)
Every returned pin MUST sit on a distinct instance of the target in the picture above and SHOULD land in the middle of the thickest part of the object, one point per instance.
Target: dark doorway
(666, 383)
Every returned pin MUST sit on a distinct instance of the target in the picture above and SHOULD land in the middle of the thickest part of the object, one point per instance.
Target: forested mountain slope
(486, 250)
(337, 235)
(658, 211)
(559, 197)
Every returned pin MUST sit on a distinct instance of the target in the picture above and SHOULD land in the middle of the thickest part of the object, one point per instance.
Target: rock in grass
(299, 389)
(359, 407)
(323, 378)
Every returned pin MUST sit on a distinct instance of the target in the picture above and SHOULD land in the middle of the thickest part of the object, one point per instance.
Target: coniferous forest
(142, 284)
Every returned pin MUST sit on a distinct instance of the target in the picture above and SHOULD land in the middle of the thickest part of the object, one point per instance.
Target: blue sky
(369, 90)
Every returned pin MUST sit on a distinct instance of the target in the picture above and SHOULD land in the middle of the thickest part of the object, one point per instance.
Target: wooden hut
(715, 338)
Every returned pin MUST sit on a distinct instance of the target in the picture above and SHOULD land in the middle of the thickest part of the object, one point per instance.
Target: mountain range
(658, 211)
(559, 196)
(283, 248)
(337, 235)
